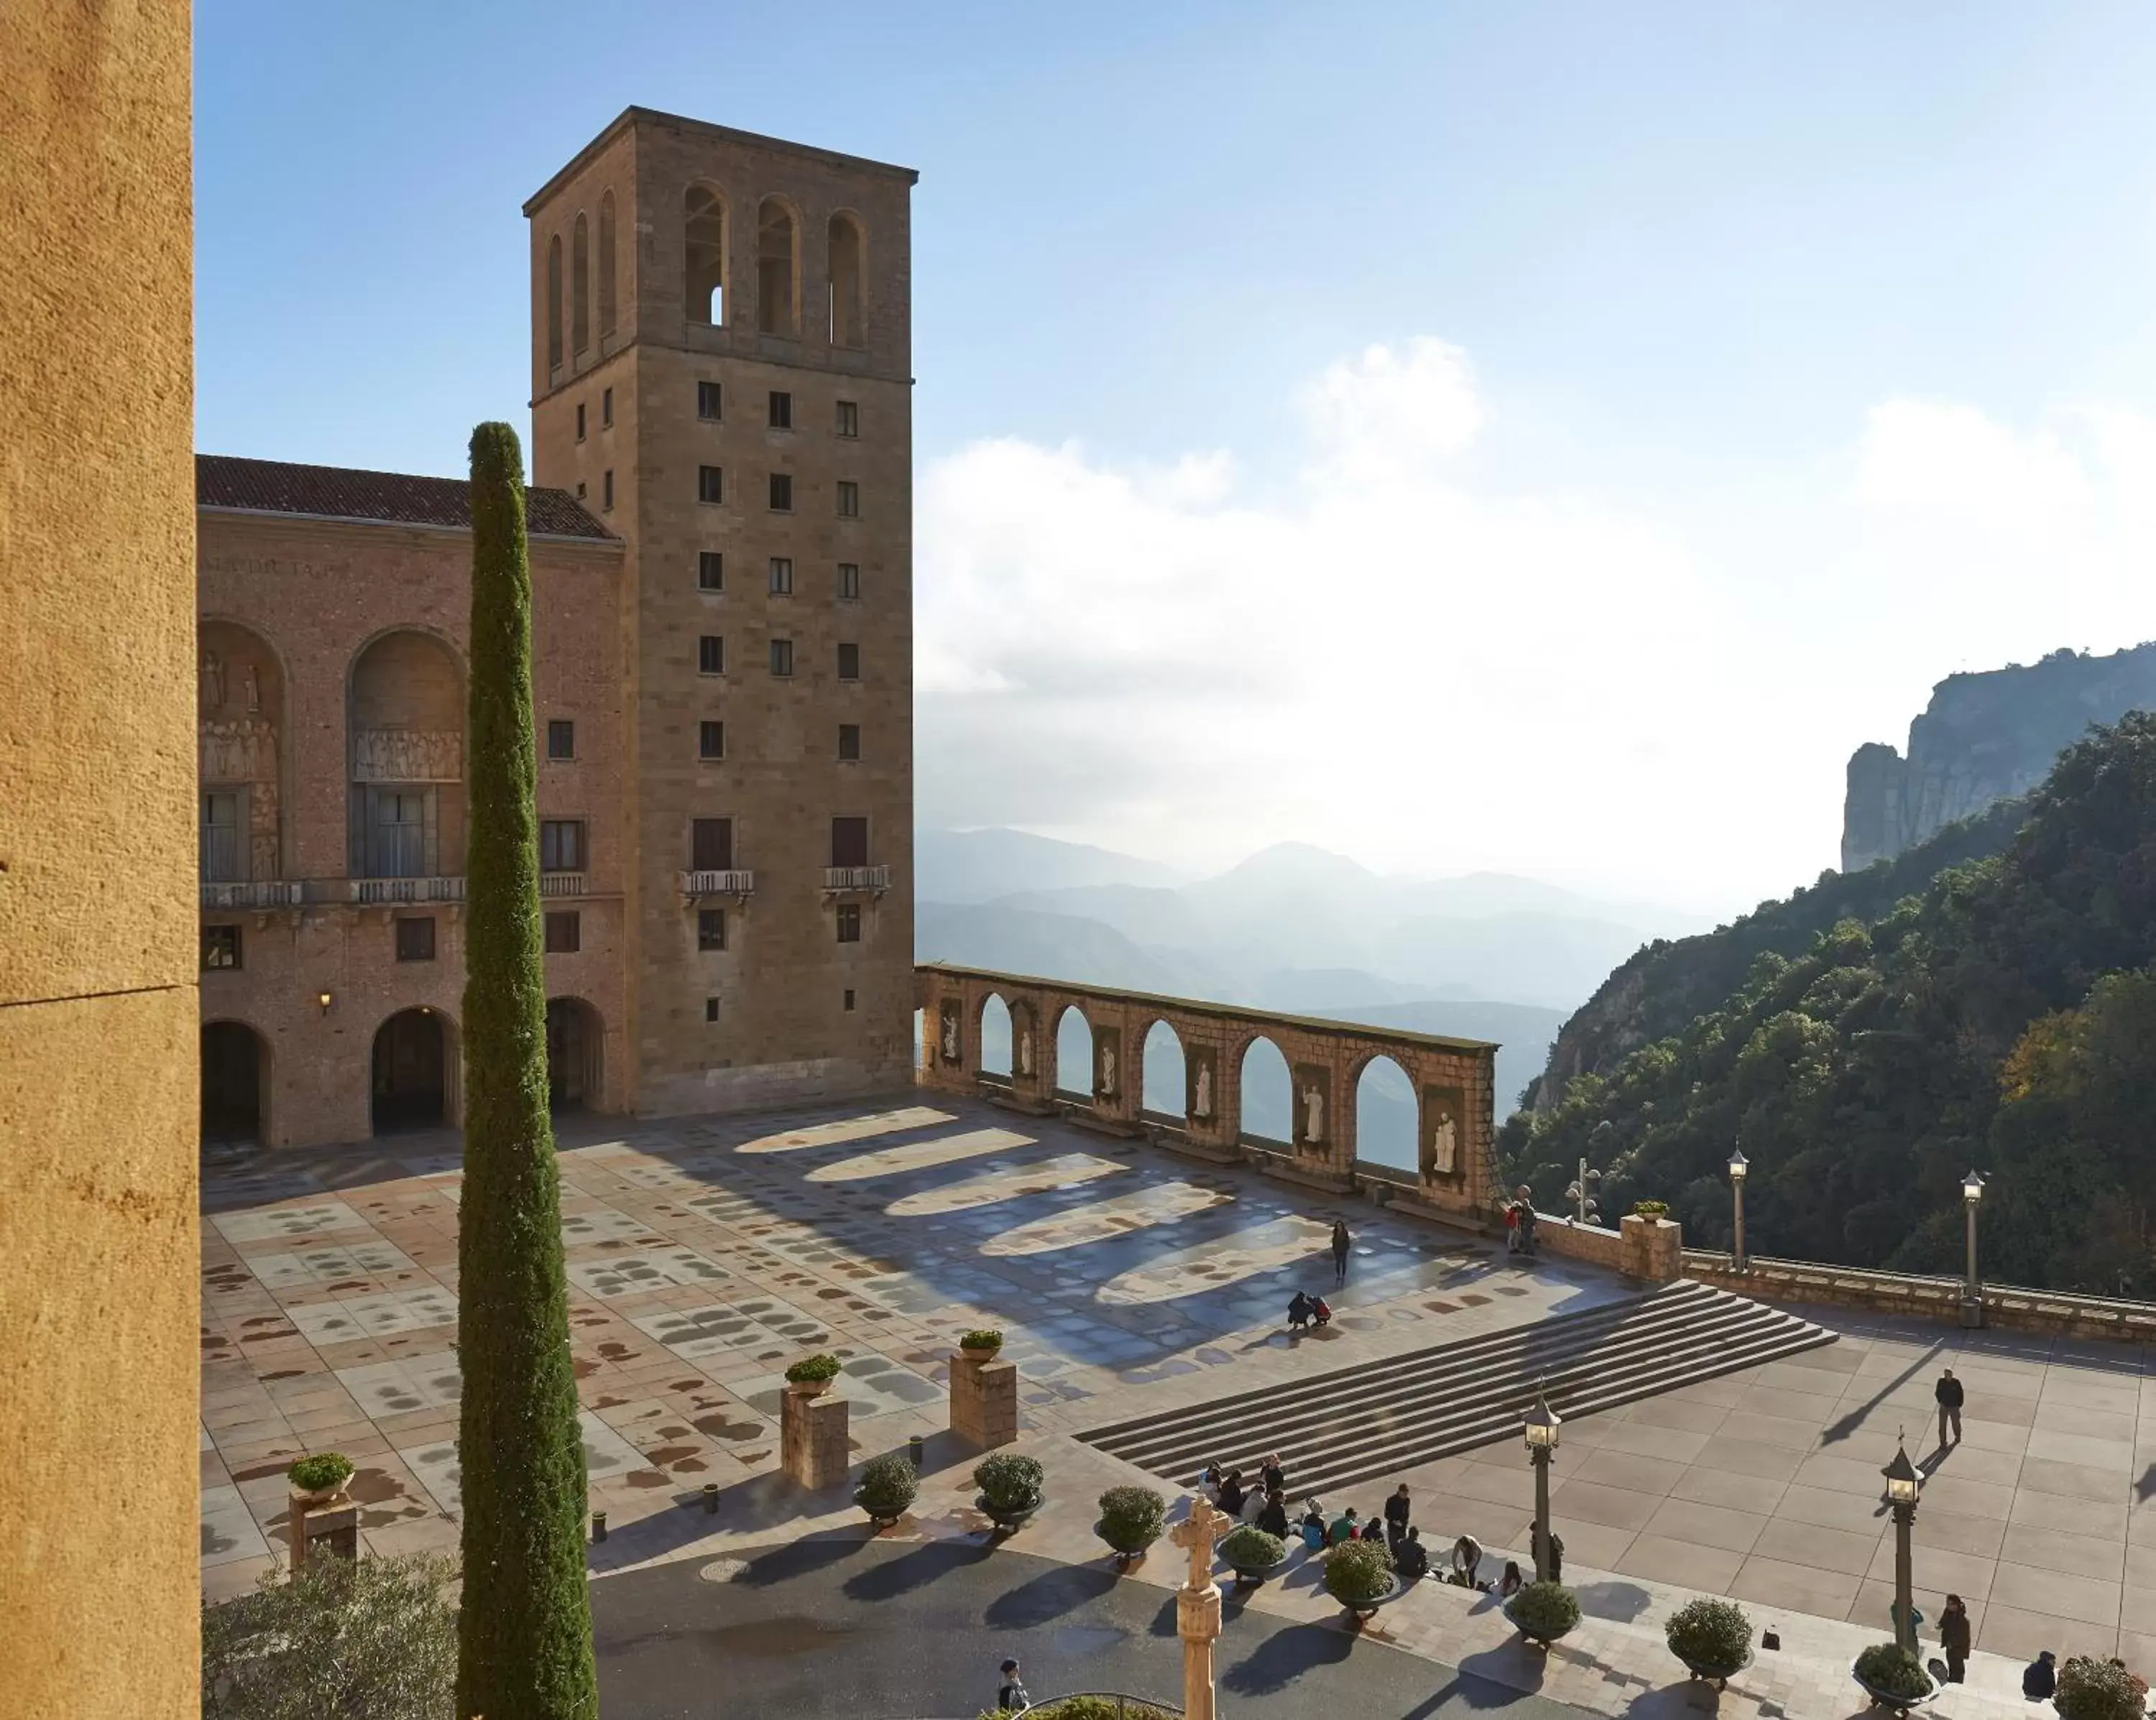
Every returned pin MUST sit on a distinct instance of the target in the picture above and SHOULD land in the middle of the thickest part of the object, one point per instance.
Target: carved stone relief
(236, 749)
(407, 756)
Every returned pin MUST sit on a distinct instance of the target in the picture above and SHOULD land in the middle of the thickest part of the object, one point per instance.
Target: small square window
(606, 407)
(710, 571)
(849, 921)
(849, 418)
(711, 929)
(565, 934)
(850, 500)
(561, 844)
(220, 947)
(710, 740)
(782, 410)
(849, 663)
(849, 581)
(415, 938)
(710, 485)
(580, 492)
(782, 576)
(850, 998)
(782, 657)
(707, 400)
(782, 493)
(580, 421)
(849, 741)
(710, 1009)
(606, 491)
(561, 739)
(711, 654)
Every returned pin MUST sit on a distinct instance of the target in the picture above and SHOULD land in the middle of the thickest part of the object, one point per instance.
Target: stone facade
(1454, 1079)
(721, 368)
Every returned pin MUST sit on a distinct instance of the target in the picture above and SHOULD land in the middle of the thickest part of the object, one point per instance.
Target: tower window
(605, 265)
(850, 841)
(782, 410)
(703, 256)
(564, 934)
(849, 500)
(849, 418)
(844, 252)
(220, 947)
(415, 938)
(849, 921)
(561, 739)
(849, 663)
(849, 997)
(711, 929)
(710, 485)
(710, 571)
(554, 303)
(710, 1009)
(580, 308)
(710, 845)
(710, 740)
(561, 844)
(782, 493)
(606, 408)
(707, 400)
(580, 421)
(778, 256)
(782, 576)
(606, 490)
(782, 657)
(711, 654)
(849, 742)
(850, 579)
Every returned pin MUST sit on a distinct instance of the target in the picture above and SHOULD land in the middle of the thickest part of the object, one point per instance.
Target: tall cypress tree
(525, 1631)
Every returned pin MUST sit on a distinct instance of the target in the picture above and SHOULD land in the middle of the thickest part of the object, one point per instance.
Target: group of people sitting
(1305, 1311)
(1392, 1526)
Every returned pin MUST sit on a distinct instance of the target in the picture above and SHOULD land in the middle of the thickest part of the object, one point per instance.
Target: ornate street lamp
(1738, 1167)
(1583, 1203)
(1971, 1291)
(1903, 1485)
(1540, 1428)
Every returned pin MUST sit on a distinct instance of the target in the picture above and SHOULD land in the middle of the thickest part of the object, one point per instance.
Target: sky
(1546, 438)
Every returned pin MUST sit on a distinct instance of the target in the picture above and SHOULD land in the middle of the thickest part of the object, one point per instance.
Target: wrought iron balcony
(264, 893)
(839, 880)
(718, 883)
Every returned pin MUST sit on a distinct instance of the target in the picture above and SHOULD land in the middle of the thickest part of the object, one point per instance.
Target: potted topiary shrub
(1542, 1612)
(1892, 1678)
(1650, 1208)
(1252, 1554)
(811, 1376)
(1713, 1639)
(1358, 1574)
(1132, 1519)
(887, 1489)
(2097, 1690)
(319, 1479)
(1011, 1489)
(981, 1345)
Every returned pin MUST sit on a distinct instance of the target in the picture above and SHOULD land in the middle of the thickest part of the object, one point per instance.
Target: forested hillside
(2003, 1017)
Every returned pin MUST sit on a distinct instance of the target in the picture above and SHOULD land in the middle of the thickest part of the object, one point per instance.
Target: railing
(718, 883)
(561, 883)
(378, 892)
(856, 878)
(268, 893)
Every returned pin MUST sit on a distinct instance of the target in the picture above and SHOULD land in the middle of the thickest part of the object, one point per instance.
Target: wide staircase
(1374, 1420)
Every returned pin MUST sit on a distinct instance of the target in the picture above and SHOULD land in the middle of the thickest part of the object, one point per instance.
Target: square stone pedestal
(815, 1439)
(332, 1529)
(984, 1401)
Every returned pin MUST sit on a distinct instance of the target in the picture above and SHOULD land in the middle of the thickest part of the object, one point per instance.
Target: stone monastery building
(721, 523)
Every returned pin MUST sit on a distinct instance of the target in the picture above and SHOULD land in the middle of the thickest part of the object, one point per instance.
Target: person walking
(1954, 1637)
(1949, 1394)
(1396, 1515)
(1010, 1694)
(1341, 1241)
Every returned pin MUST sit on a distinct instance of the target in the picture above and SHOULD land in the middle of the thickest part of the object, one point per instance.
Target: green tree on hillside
(525, 1629)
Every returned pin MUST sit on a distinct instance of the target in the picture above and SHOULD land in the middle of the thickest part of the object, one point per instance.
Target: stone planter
(321, 1498)
(809, 1388)
(1007, 1519)
(1249, 1576)
(1364, 1610)
(1886, 1699)
(1720, 1674)
(976, 1353)
(1540, 1638)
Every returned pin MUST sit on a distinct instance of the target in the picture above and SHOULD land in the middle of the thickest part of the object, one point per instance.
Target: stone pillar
(983, 1400)
(1198, 1605)
(1652, 1248)
(815, 1444)
(331, 1527)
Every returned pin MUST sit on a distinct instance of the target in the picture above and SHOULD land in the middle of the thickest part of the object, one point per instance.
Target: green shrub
(1358, 1572)
(368, 1636)
(1250, 1548)
(982, 1337)
(1650, 1208)
(1545, 1609)
(813, 1368)
(1008, 1481)
(2097, 1690)
(1710, 1633)
(888, 1485)
(1132, 1518)
(319, 1473)
(1086, 1707)
(1890, 1669)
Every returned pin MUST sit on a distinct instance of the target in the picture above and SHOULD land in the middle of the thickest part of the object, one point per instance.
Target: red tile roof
(396, 498)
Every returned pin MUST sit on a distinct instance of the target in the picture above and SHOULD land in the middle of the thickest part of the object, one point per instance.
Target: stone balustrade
(1453, 1081)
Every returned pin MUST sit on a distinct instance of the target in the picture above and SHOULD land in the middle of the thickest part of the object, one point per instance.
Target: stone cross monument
(1198, 1605)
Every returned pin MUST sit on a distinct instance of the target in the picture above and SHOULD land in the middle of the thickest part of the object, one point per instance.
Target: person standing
(1010, 1694)
(1271, 1476)
(1949, 1394)
(1396, 1515)
(1954, 1637)
(1526, 1221)
(1341, 1243)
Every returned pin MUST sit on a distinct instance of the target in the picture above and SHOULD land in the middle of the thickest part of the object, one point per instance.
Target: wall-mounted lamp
(324, 999)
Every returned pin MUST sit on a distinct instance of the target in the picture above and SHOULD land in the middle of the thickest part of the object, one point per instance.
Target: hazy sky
(1541, 436)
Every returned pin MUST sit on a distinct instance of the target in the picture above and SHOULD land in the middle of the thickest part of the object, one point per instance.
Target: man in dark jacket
(1947, 1391)
(2040, 1682)
(1396, 1515)
(1409, 1559)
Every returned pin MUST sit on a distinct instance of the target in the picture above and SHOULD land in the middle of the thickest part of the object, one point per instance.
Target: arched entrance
(411, 1071)
(574, 1043)
(235, 1073)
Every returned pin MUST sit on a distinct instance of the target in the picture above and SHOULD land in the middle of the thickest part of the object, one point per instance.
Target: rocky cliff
(1983, 738)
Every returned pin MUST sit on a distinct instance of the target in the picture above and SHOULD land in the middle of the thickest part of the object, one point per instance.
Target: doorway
(234, 1063)
(411, 1073)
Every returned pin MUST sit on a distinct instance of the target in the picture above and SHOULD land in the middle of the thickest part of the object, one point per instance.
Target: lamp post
(1583, 1211)
(1737, 1170)
(1541, 1427)
(1972, 1290)
(1903, 1484)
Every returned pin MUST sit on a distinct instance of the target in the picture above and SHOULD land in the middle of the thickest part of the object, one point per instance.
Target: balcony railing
(266, 892)
(561, 883)
(718, 883)
(375, 892)
(837, 878)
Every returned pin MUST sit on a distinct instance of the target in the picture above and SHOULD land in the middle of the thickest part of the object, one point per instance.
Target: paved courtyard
(705, 1254)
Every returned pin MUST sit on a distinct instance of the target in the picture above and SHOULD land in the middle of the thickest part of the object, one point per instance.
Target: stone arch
(777, 267)
(554, 303)
(1384, 1117)
(1163, 1088)
(576, 1055)
(846, 264)
(240, 727)
(607, 281)
(235, 1083)
(1074, 1054)
(704, 254)
(414, 1076)
(580, 288)
(404, 745)
(992, 1037)
(1265, 1093)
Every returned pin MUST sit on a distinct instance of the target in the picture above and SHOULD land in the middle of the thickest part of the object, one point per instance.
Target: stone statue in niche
(1446, 1108)
(252, 684)
(1313, 1113)
(1108, 1071)
(213, 681)
(950, 1036)
(1201, 1102)
(1025, 1053)
(1444, 1147)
